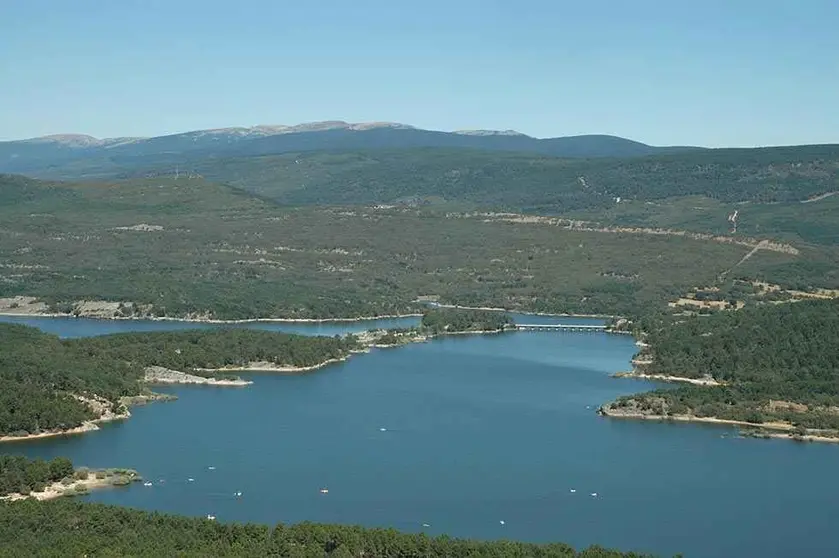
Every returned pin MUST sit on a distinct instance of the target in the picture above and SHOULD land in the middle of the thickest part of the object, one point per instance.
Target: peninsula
(51, 387)
(22, 478)
(770, 368)
(63, 387)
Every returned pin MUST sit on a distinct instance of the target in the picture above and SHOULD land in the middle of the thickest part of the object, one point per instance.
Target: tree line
(85, 529)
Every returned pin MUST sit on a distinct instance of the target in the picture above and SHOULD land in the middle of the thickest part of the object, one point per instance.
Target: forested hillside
(40, 376)
(64, 527)
(188, 350)
(47, 383)
(525, 182)
(76, 156)
(190, 247)
(776, 361)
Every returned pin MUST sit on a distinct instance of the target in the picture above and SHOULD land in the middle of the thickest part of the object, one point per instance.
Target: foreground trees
(81, 529)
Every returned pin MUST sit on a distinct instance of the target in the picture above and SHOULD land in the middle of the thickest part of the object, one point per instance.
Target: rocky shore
(778, 430)
(707, 381)
(161, 375)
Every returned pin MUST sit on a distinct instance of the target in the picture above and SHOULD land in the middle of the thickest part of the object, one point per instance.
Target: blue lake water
(86, 327)
(477, 429)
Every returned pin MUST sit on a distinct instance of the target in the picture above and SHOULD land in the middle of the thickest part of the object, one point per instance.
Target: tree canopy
(83, 529)
(42, 376)
(776, 361)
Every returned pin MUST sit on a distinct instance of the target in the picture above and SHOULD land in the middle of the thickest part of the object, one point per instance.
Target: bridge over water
(560, 327)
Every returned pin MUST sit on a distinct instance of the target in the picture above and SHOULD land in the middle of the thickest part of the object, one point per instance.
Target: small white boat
(426, 525)
(502, 522)
(237, 494)
(594, 494)
(573, 490)
(190, 479)
(324, 491)
(211, 517)
(211, 468)
(382, 429)
(147, 483)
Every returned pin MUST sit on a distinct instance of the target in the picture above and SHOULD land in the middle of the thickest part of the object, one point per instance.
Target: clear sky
(709, 72)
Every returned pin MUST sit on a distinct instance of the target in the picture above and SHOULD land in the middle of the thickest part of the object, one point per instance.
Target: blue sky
(715, 72)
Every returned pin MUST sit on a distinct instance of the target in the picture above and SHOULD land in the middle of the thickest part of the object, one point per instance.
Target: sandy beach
(77, 486)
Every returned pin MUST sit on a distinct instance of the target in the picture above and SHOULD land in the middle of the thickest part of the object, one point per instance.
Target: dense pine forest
(41, 376)
(529, 182)
(776, 361)
(215, 348)
(22, 475)
(453, 320)
(64, 527)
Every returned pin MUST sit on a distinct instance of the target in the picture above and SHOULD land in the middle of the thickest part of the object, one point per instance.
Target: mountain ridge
(260, 130)
(53, 154)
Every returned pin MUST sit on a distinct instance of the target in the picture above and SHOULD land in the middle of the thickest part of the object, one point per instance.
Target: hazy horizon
(728, 75)
(255, 126)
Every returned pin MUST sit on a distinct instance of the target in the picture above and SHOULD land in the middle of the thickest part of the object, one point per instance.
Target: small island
(22, 478)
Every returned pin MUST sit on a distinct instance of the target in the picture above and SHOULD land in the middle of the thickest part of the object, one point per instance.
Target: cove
(477, 429)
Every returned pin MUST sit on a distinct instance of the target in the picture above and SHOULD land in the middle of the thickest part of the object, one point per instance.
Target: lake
(460, 434)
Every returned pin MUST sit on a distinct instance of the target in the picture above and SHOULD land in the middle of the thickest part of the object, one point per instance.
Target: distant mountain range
(50, 155)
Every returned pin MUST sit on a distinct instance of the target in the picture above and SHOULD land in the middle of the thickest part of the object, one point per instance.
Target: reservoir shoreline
(370, 341)
(36, 310)
(778, 430)
(86, 426)
(157, 375)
